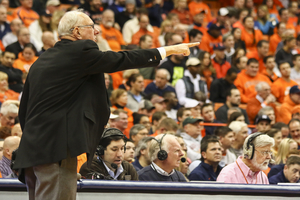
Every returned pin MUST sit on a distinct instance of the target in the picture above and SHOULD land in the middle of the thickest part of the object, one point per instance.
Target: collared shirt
(5, 167)
(159, 170)
(239, 172)
(204, 172)
(260, 99)
(193, 146)
(112, 173)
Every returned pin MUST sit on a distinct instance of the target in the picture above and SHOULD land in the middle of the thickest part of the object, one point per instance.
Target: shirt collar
(159, 170)
(112, 173)
(247, 171)
(259, 98)
(188, 73)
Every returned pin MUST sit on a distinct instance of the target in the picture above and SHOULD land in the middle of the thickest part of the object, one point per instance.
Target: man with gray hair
(64, 106)
(137, 132)
(240, 130)
(262, 99)
(8, 114)
(160, 85)
(165, 155)
(142, 159)
(248, 169)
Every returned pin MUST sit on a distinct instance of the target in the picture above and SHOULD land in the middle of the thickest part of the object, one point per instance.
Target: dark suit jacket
(64, 106)
(14, 48)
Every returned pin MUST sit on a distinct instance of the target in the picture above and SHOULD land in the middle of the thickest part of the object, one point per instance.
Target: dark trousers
(52, 181)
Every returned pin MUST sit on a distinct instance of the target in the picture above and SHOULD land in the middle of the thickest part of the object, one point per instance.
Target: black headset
(162, 154)
(109, 132)
(250, 148)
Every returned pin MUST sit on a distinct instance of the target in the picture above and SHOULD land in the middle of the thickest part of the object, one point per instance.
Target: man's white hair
(260, 85)
(9, 108)
(69, 21)
(154, 145)
(260, 141)
(236, 126)
(168, 76)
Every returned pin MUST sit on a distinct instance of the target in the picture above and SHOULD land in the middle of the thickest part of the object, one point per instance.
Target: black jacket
(64, 106)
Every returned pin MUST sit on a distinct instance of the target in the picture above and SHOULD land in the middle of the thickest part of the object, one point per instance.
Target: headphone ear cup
(100, 150)
(249, 152)
(162, 155)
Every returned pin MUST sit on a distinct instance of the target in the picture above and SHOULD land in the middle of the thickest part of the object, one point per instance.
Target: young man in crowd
(141, 158)
(208, 114)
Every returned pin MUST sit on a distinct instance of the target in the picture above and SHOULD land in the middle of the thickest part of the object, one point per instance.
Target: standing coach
(64, 106)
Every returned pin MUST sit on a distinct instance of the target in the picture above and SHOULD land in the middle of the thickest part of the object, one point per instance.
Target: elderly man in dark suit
(64, 106)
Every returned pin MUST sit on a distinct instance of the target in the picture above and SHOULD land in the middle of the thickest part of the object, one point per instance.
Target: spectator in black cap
(212, 37)
(289, 103)
(263, 123)
(221, 18)
(219, 61)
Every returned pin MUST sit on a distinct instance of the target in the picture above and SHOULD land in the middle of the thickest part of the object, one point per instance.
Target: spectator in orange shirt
(210, 39)
(196, 6)
(219, 61)
(248, 78)
(241, 16)
(238, 43)
(180, 8)
(293, 12)
(239, 4)
(5, 93)
(26, 58)
(283, 84)
(276, 38)
(290, 101)
(284, 17)
(143, 23)
(198, 22)
(180, 30)
(250, 35)
(120, 121)
(222, 20)
(259, 54)
(112, 35)
(25, 12)
(268, 71)
(272, 8)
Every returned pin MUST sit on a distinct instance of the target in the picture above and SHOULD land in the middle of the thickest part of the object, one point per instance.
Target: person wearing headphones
(165, 154)
(108, 162)
(247, 169)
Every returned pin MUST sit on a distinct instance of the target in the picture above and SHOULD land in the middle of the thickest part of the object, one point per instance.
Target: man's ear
(76, 33)
(143, 152)
(203, 154)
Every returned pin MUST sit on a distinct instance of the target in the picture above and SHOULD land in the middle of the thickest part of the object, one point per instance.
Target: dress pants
(52, 181)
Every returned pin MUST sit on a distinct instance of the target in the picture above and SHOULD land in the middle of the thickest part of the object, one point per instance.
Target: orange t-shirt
(27, 16)
(136, 37)
(281, 88)
(9, 95)
(246, 84)
(248, 38)
(275, 39)
(274, 11)
(23, 64)
(208, 42)
(254, 54)
(196, 7)
(238, 24)
(221, 69)
(274, 77)
(184, 17)
(285, 110)
(117, 79)
(293, 21)
(81, 159)
(113, 37)
(201, 28)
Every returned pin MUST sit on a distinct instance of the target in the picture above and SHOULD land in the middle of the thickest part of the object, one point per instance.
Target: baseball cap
(146, 104)
(214, 27)
(191, 103)
(53, 3)
(223, 11)
(261, 118)
(190, 120)
(192, 62)
(157, 99)
(219, 46)
(295, 89)
(113, 116)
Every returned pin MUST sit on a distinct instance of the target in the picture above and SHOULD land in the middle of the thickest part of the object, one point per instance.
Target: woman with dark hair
(238, 43)
(236, 116)
(239, 52)
(26, 58)
(135, 95)
(207, 71)
(250, 35)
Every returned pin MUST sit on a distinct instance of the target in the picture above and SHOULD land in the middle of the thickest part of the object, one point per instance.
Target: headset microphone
(113, 165)
(183, 160)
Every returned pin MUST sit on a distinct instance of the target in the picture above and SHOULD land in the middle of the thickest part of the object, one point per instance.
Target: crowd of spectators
(191, 118)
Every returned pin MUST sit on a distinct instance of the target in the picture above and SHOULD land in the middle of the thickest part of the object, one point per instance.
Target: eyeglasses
(265, 153)
(91, 25)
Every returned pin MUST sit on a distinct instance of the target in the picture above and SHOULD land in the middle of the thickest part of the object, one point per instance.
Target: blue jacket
(136, 164)
(275, 170)
(204, 172)
(153, 89)
(278, 178)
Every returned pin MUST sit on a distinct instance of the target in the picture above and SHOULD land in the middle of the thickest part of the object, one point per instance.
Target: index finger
(193, 44)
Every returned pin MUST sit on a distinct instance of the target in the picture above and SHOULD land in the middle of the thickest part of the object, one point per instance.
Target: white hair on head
(69, 21)
(236, 126)
(260, 85)
(9, 108)
(260, 141)
(154, 145)
(168, 76)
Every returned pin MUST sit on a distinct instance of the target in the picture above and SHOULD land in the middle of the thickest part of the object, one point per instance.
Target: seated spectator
(219, 61)
(233, 99)
(192, 137)
(263, 123)
(208, 114)
(270, 112)
(226, 139)
(26, 58)
(265, 21)
(213, 37)
(211, 155)
(248, 168)
(261, 100)
(122, 82)
(142, 159)
(296, 112)
(247, 80)
(52, 6)
(129, 153)
(269, 62)
(166, 125)
(195, 107)
(236, 116)
(11, 37)
(146, 42)
(283, 84)
(277, 136)
(25, 13)
(165, 27)
(219, 87)
(141, 119)
(182, 114)
(241, 14)
(207, 71)
(286, 145)
(261, 51)
(171, 103)
(165, 154)
(195, 36)
(240, 130)
(10, 144)
(137, 132)
(284, 53)
(93, 9)
(228, 42)
(198, 5)
(146, 107)
(109, 33)
(222, 20)
(120, 121)
(5, 93)
(180, 29)
(294, 126)
(160, 85)
(3, 22)
(295, 71)
(284, 128)
(186, 87)
(180, 8)
(48, 41)
(290, 173)
(14, 75)
(237, 34)
(129, 13)
(135, 95)
(109, 163)
(157, 117)
(250, 36)
(290, 101)
(239, 53)
(118, 6)
(276, 38)
(159, 103)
